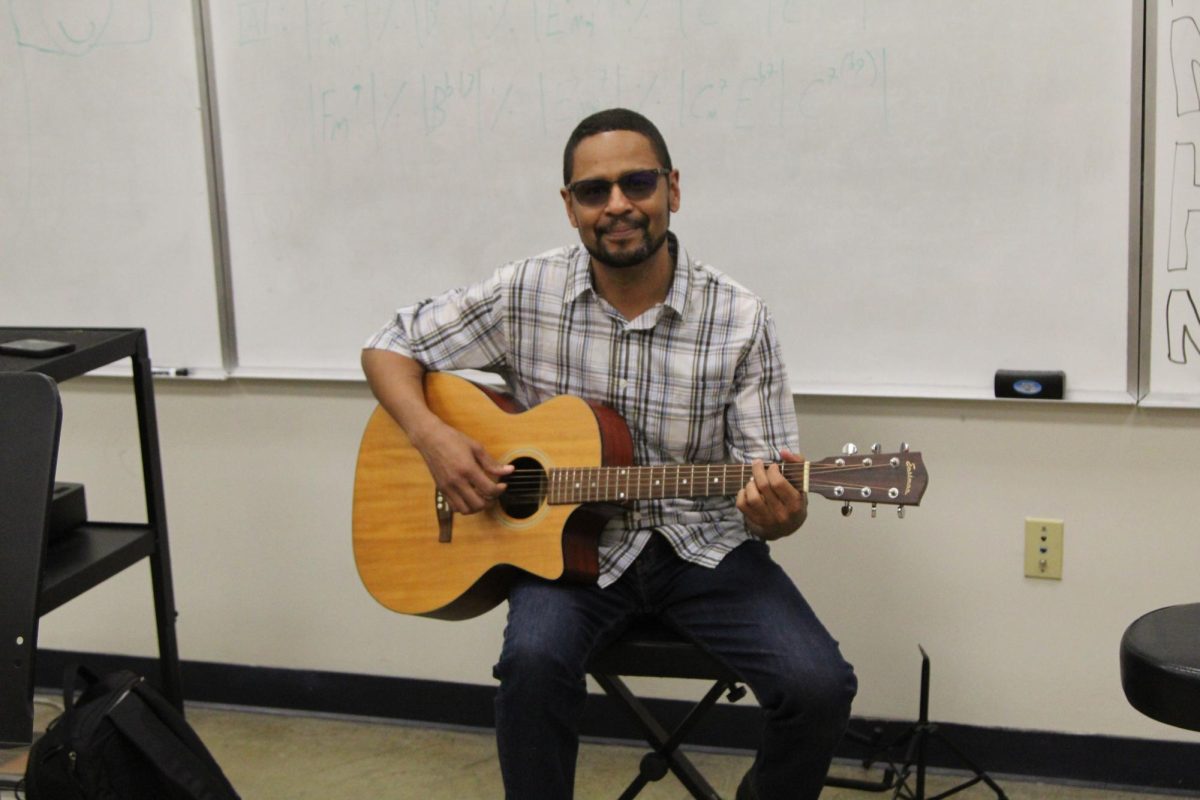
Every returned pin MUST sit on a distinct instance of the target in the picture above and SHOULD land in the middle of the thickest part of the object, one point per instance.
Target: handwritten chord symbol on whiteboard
(76, 29)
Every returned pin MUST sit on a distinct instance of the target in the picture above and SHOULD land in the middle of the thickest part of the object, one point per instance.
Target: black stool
(1160, 665)
(649, 648)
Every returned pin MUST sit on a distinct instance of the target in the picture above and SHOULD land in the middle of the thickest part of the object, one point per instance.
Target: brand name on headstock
(910, 469)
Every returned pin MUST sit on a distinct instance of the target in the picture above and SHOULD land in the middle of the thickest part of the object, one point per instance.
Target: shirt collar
(579, 281)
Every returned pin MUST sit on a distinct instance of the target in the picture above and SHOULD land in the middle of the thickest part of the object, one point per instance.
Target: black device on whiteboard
(1030, 384)
(35, 348)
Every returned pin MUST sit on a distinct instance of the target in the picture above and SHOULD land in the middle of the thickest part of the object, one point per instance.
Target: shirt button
(624, 384)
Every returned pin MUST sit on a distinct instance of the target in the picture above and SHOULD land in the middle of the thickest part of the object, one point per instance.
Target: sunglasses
(637, 185)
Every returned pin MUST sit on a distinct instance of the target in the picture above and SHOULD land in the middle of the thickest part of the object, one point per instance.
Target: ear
(566, 196)
(673, 190)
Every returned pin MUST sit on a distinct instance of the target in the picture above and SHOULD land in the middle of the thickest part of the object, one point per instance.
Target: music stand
(916, 741)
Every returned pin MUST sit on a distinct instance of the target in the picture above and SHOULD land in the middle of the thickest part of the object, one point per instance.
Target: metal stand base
(916, 740)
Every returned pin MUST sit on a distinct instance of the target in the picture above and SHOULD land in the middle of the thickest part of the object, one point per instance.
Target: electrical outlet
(1043, 548)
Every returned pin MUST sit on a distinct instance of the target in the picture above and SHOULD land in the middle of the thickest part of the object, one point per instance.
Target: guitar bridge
(445, 516)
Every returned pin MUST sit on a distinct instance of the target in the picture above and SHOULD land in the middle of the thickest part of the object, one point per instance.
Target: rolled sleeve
(390, 337)
(460, 329)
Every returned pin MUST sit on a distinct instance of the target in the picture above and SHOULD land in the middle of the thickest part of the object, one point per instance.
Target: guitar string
(787, 467)
(646, 473)
(538, 495)
(531, 484)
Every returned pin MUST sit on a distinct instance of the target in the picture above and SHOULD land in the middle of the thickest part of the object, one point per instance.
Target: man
(691, 361)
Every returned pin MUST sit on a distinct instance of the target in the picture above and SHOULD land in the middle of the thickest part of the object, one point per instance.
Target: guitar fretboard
(620, 484)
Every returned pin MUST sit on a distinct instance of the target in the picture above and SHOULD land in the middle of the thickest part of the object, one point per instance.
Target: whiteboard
(104, 206)
(1171, 329)
(925, 191)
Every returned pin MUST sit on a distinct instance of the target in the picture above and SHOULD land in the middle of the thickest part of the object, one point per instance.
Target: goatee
(626, 258)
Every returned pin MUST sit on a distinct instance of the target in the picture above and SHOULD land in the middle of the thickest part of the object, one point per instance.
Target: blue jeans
(746, 611)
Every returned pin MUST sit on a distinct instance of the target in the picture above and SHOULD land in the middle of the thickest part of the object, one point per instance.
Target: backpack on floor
(121, 740)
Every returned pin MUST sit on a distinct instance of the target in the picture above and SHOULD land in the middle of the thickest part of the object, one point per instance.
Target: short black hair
(613, 119)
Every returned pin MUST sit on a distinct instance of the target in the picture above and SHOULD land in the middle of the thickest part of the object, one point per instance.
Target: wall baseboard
(1068, 757)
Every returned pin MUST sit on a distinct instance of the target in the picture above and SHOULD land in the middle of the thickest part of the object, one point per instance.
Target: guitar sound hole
(526, 489)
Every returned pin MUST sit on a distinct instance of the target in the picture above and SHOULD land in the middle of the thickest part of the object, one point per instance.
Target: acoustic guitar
(572, 471)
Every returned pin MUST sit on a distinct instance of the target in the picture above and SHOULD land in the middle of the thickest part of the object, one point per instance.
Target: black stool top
(1160, 665)
(651, 648)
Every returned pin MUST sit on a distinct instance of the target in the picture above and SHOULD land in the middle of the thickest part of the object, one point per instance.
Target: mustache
(624, 222)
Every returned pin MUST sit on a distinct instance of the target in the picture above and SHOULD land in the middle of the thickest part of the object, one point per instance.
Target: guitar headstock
(897, 479)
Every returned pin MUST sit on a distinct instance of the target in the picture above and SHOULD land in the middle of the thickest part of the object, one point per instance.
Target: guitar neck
(621, 484)
(893, 478)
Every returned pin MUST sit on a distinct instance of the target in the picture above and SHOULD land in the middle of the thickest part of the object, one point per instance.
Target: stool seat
(649, 648)
(1160, 665)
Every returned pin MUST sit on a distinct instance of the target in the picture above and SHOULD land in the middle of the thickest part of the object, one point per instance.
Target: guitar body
(573, 464)
(416, 561)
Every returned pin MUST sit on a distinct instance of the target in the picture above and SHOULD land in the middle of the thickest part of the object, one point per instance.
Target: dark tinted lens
(638, 185)
(592, 193)
(634, 185)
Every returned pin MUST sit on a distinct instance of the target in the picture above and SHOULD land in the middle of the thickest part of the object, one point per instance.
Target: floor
(277, 756)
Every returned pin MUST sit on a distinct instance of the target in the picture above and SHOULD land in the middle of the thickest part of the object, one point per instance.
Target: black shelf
(88, 556)
(94, 348)
(39, 576)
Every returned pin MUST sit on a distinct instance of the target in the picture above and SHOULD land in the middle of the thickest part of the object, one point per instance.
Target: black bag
(121, 740)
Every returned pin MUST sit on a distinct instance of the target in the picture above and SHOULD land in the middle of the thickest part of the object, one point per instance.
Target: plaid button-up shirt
(698, 378)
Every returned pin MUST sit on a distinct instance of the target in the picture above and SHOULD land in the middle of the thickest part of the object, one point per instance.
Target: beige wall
(259, 477)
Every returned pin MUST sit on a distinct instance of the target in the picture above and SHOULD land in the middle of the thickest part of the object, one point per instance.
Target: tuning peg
(877, 448)
(874, 509)
(904, 447)
(849, 449)
(900, 512)
(847, 509)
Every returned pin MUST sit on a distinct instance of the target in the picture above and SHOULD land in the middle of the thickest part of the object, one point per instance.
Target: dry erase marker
(169, 372)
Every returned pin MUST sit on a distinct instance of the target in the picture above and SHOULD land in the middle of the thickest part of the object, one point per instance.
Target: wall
(259, 478)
